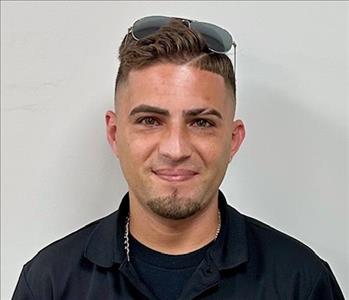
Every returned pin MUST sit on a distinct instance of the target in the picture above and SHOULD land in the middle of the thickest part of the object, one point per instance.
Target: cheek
(134, 150)
(215, 152)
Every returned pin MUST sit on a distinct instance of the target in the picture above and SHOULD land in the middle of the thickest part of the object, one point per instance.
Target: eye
(202, 123)
(148, 121)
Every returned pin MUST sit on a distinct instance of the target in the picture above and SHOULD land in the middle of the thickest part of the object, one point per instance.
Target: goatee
(174, 207)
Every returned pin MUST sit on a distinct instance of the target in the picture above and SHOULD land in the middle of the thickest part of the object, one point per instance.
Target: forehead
(172, 85)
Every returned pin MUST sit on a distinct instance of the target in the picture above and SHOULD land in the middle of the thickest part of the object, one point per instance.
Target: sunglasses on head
(218, 40)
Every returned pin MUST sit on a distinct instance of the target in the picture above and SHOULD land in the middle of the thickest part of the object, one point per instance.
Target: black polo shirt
(249, 260)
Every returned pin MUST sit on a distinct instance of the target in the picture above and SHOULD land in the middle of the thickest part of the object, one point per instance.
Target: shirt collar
(230, 248)
(105, 248)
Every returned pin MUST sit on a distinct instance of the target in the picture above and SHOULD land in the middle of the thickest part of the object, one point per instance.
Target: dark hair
(174, 43)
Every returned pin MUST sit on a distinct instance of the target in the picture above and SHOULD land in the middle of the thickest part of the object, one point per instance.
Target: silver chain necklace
(127, 234)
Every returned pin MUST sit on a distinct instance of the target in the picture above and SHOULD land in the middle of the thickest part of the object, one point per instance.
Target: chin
(174, 207)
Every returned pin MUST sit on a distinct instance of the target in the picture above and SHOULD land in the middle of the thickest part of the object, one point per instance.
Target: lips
(175, 175)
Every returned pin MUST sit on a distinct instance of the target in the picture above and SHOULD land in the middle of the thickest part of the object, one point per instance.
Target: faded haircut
(173, 43)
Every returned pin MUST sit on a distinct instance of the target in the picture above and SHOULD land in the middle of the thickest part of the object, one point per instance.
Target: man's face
(174, 134)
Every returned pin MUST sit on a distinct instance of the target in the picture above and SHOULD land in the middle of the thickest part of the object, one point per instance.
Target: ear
(111, 130)
(238, 135)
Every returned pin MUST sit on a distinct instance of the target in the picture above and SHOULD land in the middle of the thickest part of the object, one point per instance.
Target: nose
(175, 143)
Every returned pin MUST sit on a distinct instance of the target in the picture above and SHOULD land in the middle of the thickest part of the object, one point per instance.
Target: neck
(174, 236)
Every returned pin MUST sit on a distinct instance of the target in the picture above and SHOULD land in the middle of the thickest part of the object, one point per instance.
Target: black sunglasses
(218, 40)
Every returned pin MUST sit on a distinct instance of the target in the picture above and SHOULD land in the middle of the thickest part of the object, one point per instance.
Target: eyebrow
(144, 108)
(202, 111)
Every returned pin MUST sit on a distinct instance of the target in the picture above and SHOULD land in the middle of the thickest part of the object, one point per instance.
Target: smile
(175, 175)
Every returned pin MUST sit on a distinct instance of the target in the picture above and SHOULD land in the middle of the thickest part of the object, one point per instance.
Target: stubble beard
(174, 207)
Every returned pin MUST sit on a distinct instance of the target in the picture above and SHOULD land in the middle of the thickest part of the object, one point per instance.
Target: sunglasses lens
(217, 38)
(148, 25)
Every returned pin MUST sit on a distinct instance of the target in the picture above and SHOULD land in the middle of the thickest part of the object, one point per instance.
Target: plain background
(58, 66)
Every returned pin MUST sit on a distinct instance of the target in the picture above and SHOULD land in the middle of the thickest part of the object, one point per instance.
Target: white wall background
(58, 66)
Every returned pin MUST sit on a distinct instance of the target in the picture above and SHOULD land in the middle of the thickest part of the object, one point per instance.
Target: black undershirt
(165, 275)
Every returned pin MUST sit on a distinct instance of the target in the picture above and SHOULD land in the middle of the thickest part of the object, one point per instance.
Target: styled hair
(174, 43)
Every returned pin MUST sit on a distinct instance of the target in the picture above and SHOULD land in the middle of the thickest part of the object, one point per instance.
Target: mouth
(175, 175)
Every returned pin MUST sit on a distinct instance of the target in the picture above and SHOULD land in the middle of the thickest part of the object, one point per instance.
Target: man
(174, 236)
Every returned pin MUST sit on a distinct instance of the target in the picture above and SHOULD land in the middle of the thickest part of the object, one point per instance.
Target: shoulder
(285, 256)
(270, 237)
(58, 265)
(279, 246)
(63, 254)
(290, 263)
